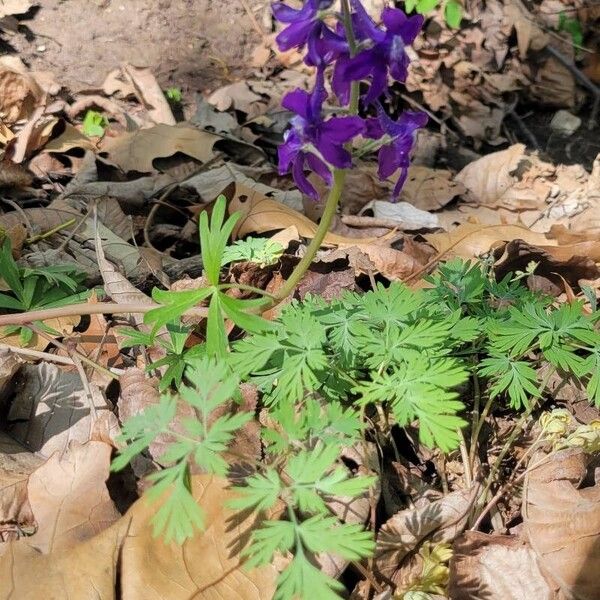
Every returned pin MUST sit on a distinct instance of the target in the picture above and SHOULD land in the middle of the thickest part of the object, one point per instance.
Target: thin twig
(37, 354)
(108, 308)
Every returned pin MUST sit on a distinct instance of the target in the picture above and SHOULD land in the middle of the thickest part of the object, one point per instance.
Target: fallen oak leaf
(136, 151)
(206, 566)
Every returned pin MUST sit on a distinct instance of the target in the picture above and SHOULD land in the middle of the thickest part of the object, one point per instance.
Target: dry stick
(108, 308)
(505, 488)
(30, 353)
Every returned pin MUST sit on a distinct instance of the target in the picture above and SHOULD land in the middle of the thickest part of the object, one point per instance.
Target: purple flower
(312, 142)
(385, 53)
(306, 28)
(395, 154)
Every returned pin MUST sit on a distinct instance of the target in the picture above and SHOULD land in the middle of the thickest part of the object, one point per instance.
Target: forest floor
(123, 121)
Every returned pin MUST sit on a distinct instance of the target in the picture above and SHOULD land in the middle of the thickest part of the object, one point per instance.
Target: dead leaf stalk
(108, 308)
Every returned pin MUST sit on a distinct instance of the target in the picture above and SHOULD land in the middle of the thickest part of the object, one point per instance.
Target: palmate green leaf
(262, 251)
(301, 580)
(516, 377)
(421, 389)
(216, 336)
(591, 368)
(261, 492)
(273, 536)
(395, 304)
(237, 310)
(326, 534)
(178, 514)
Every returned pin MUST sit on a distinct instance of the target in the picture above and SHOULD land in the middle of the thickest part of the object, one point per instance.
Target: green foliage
(261, 251)
(312, 477)
(572, 27)
(391, 356)
(213, 241)
(174, 95)
(453, 9)
(94, 124)
(37, 288)
(211, 385)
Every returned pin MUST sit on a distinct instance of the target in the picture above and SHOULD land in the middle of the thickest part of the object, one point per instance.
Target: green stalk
(339, 177)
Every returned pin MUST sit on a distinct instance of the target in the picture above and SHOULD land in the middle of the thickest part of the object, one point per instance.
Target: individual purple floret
(306, 28)
(395, 154)
(385, 52)
(311, 142)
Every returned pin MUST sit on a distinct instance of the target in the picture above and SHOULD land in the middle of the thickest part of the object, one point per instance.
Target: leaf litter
(91, 203)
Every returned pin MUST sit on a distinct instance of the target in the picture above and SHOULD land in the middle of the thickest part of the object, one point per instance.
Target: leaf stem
(339, 177)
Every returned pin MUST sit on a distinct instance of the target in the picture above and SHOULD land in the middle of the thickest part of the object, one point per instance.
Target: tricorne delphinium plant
(331, 375)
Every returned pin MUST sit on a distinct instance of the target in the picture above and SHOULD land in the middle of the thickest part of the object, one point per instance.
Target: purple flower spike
(386, 52)
(396, 154)
(306, 28)
(312, 142)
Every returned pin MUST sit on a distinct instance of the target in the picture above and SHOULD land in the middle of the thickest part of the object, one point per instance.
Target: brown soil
(192, 44)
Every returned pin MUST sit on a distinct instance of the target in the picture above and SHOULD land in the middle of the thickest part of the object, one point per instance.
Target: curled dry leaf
(495, 567)
(562, 522)
(470, 240)
(52, 409)
(136, 151)
(149, 93)
(573, 262)
(402, 534)
(20, 92)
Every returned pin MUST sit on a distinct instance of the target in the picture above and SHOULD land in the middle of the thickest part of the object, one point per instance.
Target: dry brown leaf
(509, 179)
(327, 285)
(261, 214)
(239, 96)
(16, 465)
(69, 139)
(470, 240)
(430, 189)
(573, 262)
(205, 566)
(562, 522)
(402, 534)
(495, 567)
(87, 571)
(149, 93)
(69, 498)
(403, 214)
(136, 151)
(529, 34)
(51, 409)
(391, 263)
(20, 92)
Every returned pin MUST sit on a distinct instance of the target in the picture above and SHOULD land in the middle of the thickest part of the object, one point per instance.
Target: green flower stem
(339, 177)
(347, 21)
